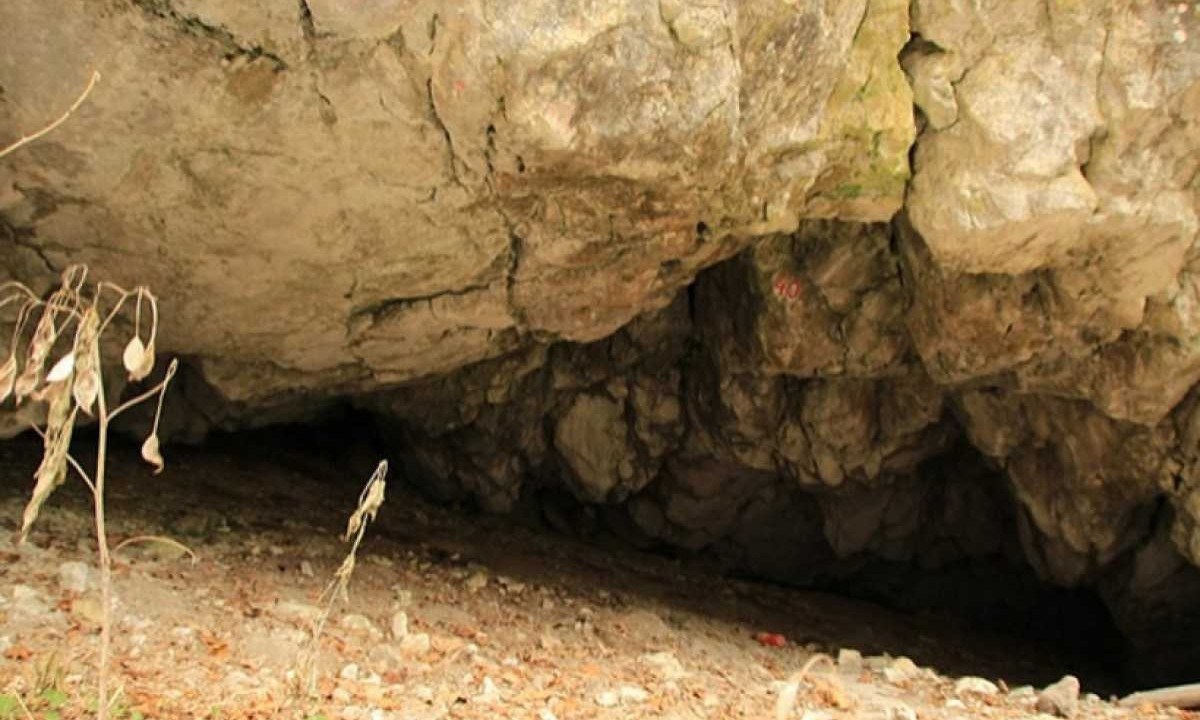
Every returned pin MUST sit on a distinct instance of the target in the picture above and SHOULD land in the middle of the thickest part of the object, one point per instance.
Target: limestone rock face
(665, 265)
(439, 184)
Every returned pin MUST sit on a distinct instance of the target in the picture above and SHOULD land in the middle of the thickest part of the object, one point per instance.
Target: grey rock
(1061, 698)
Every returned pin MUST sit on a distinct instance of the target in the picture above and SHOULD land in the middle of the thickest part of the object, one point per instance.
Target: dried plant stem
(787, 696)
(74, 384)
(75, 106)
(24, 707)
(162, 539)
(368, 505)
(105, 556)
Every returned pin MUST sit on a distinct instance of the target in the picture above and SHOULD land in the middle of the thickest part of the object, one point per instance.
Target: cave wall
(748, 273)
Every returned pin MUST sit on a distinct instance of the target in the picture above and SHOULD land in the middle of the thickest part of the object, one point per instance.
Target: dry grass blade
(49, 128)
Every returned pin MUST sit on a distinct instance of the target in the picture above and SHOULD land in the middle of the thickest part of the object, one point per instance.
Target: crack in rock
(308, 29)
(194, 26)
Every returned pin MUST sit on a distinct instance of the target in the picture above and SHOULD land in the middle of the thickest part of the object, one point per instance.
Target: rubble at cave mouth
(932, 575)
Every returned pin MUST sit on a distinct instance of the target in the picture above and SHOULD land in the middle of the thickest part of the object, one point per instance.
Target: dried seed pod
(44, 336)
(8, 377)
(134, 356)
(87, 361)
(147, 364)
(27, 382)
(52, 471)
(151, 454)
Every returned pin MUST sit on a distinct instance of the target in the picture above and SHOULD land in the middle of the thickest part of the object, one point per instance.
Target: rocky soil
(456, 616)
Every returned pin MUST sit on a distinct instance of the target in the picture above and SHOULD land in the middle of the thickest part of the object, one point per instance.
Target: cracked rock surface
(668, 266)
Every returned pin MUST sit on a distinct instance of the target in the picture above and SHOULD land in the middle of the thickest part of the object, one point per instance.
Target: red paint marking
(767, 639)
(787, 287)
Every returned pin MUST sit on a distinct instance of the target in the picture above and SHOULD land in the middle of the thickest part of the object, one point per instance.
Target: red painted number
(788, 287)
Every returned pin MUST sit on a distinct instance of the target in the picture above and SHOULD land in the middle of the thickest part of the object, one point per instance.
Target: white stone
(74, 576)
(850, 661)
(971, 685)
(901, 670)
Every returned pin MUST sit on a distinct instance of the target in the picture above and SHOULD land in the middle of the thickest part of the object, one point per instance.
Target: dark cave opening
(994, 595)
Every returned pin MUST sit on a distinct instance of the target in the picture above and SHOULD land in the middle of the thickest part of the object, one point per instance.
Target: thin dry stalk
(787, 695)
(24, 707)
(161, 540)
(369, 501)
(25, 139)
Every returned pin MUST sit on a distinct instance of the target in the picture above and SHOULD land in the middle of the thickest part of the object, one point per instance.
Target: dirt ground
(450, 614)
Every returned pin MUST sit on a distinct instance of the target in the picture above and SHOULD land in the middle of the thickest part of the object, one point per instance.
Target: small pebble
(901, 670)
(1061, 698)
(477, 581)
(350, 672)
(306, 568)
(850, 661)
(74, 576)
(975, 686)
(415, 644)
(633, 694)
(607, 699)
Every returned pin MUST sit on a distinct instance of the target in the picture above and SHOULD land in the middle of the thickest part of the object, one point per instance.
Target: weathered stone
(475, 156)
(1060, 698)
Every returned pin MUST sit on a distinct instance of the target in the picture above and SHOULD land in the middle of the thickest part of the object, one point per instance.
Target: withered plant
(64, 332)
(369, 502)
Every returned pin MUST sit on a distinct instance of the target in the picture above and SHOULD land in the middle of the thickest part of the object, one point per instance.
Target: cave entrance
(454, 605)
